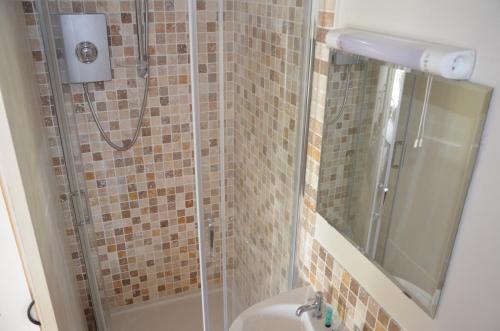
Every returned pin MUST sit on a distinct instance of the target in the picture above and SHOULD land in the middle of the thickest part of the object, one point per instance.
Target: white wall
(471, 298)
(15, 297)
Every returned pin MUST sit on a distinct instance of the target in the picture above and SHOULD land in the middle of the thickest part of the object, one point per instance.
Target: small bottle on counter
(328, 317)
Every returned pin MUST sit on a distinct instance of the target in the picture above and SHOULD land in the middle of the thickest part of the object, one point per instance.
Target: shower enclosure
(195, 221)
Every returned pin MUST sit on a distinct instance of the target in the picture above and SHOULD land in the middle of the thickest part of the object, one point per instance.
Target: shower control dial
(86, 52)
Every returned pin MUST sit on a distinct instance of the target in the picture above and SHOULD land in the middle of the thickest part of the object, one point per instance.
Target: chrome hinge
(218, 17)
(75, 199)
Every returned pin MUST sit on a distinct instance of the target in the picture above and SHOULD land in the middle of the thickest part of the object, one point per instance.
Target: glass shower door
(271, 51)
(76, 184)
(376, 125)
(207, 87)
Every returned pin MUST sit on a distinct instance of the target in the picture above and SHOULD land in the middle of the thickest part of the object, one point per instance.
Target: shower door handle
(211, 230)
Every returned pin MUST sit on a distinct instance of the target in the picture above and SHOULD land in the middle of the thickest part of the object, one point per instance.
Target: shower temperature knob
(86, 52)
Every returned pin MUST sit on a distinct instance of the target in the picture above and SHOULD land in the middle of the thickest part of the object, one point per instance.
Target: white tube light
(443, 60)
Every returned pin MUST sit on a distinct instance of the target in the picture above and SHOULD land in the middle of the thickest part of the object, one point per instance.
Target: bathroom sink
(274, 317)
(278, 314)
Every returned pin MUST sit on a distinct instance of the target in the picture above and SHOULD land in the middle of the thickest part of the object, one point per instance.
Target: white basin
(278, 314)
(269, 318)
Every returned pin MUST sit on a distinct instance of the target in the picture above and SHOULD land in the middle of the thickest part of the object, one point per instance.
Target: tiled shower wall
(339, 128)
(317, 266)
(267, 84)
(142, 200)
(345, 149)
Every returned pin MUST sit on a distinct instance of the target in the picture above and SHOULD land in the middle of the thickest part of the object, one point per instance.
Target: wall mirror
(398, 151)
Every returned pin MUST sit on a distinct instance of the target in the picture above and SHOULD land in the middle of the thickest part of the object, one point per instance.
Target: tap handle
(318, 302)
(318, 297)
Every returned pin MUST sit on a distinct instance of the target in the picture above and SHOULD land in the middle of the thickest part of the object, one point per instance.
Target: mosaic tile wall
(339, 130)
(267, 81)
(316, 265)
(347, 147)
(142, 200)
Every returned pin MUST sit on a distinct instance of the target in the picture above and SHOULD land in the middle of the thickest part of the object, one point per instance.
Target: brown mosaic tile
(383, 318)
(393, 326)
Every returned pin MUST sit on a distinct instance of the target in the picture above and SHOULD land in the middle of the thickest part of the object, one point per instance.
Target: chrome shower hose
(142, 11)
(125, 146)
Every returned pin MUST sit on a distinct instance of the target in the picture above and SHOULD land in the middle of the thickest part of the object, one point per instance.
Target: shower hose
(128, 145)
(141, 8)
(346, 89)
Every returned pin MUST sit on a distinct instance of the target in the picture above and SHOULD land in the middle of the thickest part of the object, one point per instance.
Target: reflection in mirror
(397, 155)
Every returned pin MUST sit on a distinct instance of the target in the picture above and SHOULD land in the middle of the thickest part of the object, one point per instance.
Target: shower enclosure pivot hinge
(75, 198)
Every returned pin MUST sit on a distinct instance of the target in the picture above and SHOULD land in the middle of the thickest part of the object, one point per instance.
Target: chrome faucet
(317, 302)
